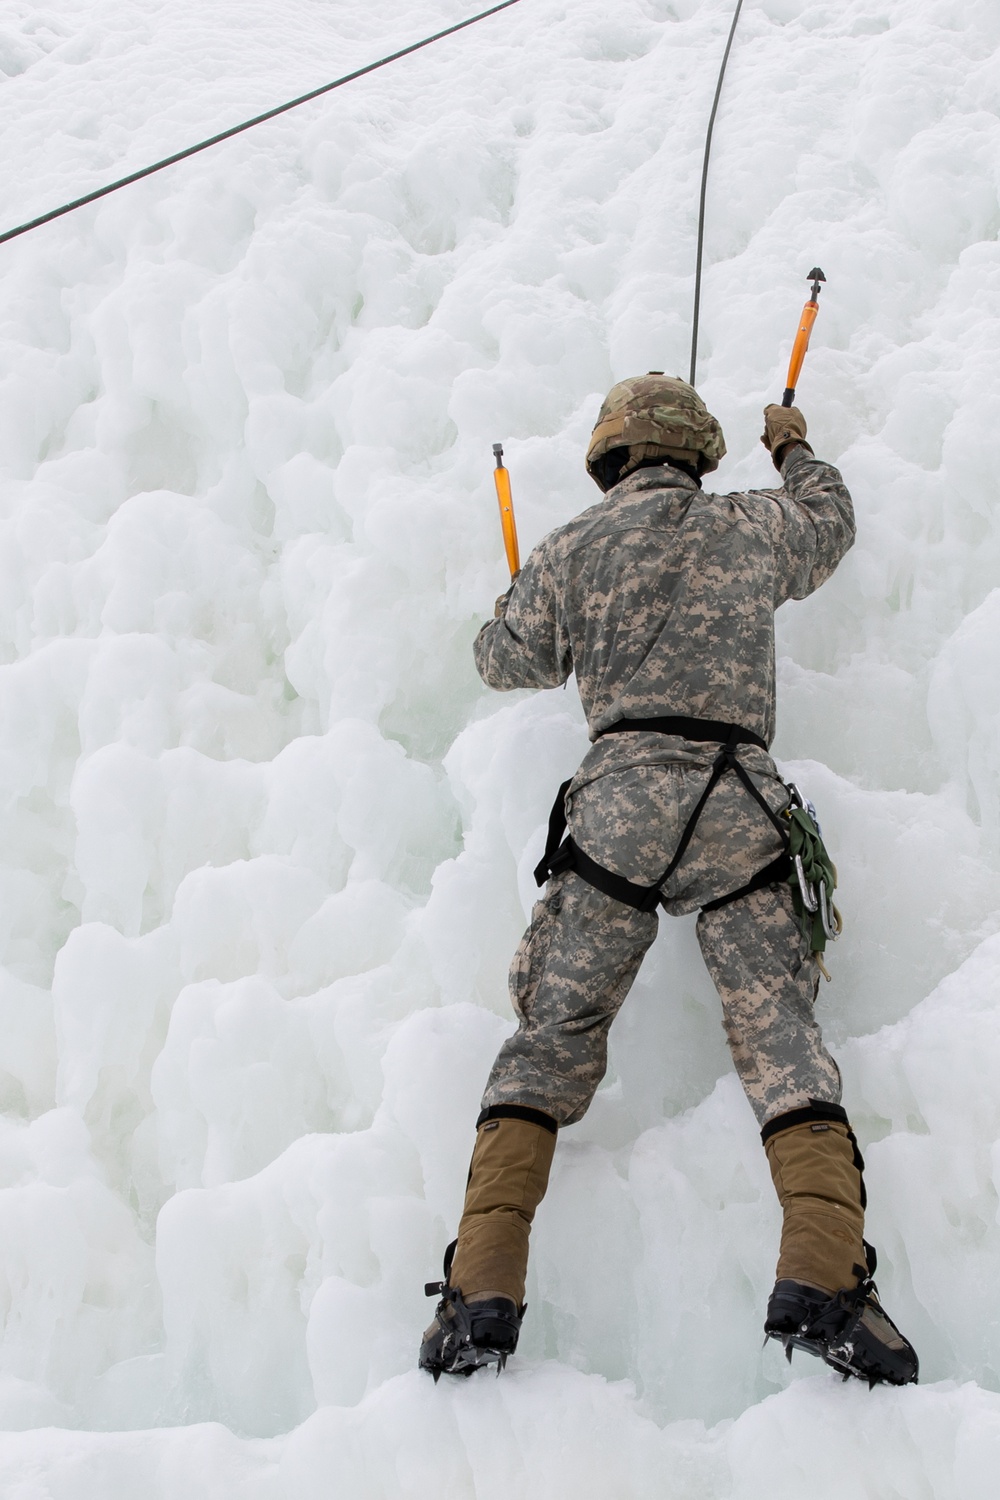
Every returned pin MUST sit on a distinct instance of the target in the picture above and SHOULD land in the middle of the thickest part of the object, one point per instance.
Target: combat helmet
(653, 416)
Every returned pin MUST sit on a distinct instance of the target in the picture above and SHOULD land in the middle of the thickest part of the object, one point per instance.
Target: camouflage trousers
(580, 955)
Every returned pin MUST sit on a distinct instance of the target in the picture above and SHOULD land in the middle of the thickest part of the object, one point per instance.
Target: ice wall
(265, 841)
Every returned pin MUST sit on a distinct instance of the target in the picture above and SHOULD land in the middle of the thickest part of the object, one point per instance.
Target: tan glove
(502, 600)
(782, 425)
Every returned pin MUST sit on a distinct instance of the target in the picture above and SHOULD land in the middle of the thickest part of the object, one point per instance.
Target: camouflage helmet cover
(657, 412)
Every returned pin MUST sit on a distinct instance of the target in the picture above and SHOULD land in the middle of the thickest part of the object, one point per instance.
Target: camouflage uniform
(661, 599)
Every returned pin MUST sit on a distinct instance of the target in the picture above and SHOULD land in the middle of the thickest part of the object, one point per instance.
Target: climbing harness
(804, 864)
(501, 478)
(563, 853)
(695, 316)
(225, 135)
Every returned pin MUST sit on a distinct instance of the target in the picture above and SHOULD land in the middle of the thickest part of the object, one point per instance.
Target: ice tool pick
(801, 343)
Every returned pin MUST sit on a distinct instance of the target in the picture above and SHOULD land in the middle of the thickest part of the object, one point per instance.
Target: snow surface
(266, 840)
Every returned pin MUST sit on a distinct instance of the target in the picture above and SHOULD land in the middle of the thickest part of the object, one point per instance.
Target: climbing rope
(168, 161)
(704, 188)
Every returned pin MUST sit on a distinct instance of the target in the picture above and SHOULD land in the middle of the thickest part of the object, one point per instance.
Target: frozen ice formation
(266, 841)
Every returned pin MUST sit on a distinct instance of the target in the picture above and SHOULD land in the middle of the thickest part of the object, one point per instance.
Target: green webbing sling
(813, 880)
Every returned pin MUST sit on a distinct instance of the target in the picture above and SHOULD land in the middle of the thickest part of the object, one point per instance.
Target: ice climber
(661, 599)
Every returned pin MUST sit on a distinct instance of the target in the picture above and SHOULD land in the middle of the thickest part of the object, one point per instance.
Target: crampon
(466, 1336)
(850, 1331)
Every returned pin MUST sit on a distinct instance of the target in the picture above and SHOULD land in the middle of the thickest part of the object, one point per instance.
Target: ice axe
(801, 344)
(501, 479)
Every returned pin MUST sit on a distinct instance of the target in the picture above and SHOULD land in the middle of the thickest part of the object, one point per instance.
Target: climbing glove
(500, 607)
(782, 425)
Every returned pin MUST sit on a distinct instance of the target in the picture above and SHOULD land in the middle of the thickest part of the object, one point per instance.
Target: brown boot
(479, 1317)
(816, 1168)
(507, 1181)
(824, 1300)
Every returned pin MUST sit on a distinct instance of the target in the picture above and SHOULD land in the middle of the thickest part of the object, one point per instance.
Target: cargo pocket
(529, 960)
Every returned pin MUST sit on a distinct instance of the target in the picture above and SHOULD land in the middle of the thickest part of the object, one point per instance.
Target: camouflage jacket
(661, 597)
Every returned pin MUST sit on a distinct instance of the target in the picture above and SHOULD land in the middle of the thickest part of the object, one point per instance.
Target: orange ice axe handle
(802, 337)
(501, 479)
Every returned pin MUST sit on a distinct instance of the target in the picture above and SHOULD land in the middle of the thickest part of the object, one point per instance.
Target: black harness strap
(688, 729)
(570, 856)
(554, 838)
(776, 873)
(563, 853)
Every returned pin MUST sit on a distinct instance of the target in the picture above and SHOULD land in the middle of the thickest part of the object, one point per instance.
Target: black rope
(225, 135)
(704, 189)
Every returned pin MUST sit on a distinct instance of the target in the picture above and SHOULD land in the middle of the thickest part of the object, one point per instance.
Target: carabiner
(797, 800)
(806, 887)
(829, 915)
